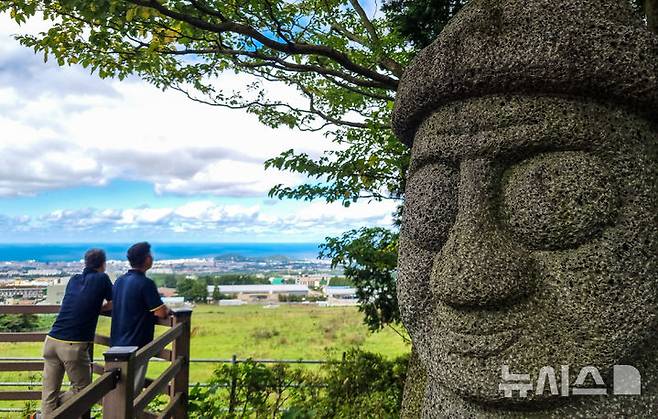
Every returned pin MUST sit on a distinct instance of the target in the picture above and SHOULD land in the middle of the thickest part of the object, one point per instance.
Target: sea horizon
(71, 252)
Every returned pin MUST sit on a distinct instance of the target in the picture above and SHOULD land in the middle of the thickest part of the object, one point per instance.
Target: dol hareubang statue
(530, 234)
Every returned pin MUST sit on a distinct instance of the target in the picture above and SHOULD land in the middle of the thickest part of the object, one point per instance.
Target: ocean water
(117, 251)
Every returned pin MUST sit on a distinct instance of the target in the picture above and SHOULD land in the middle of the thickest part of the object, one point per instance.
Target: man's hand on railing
(162, 312)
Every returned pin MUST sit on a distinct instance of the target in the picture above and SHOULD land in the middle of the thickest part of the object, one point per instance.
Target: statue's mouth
(479, 345)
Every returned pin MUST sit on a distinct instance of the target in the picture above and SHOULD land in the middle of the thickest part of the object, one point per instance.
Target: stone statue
(528, 251)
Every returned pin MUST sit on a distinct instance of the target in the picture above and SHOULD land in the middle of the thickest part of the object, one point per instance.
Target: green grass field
(286, 332)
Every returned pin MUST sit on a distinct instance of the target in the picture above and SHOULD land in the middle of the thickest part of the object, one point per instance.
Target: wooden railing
(23, 337)
(115, 386)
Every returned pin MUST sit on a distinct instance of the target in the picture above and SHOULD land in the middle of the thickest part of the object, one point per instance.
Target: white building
(340, 296)
(253, 293)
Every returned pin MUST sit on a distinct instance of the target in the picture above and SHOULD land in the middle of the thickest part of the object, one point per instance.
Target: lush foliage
(18, 322)
(165, 280)
(370, 257)
(421, 21)
(216, 295)
(194, 290)
(362, 384)
(237, 279)
(343, 61)
(648, 8)
(171, 280)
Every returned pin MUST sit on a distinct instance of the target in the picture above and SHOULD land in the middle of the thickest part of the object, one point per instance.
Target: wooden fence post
(181, 348)
(118, 404)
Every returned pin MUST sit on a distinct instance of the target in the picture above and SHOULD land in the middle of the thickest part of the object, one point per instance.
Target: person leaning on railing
(67, 345)
(136, 306)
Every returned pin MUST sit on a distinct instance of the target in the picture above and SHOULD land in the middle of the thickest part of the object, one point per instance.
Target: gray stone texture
(593, 48)
(530, 228)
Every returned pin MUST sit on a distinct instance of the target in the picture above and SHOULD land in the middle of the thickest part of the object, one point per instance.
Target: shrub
(362, 385)
(18, 322)
(259, 334)
(246, 389)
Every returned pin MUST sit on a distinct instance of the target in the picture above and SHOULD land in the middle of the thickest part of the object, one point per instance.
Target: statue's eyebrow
(503, 143)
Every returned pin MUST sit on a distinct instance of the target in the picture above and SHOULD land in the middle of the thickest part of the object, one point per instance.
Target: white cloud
(215, 220)
(61, 127)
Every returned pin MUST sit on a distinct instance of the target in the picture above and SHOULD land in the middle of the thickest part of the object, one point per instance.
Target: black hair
(95, 258)
(138, 253)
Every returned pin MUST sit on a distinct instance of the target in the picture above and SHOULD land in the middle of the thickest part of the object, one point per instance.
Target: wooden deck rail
(122, 403)
(115, 386)
(87, 398)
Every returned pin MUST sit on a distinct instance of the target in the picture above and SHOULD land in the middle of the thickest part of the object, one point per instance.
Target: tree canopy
(370, 257)
(194, 290)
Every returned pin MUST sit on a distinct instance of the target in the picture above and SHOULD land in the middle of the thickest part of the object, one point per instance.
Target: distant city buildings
(313, 280)
(34, 282)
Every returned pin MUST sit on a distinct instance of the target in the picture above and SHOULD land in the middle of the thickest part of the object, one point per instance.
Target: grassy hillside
(287, 332)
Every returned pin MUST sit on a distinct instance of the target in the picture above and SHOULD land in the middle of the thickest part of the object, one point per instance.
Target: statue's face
(529, 240)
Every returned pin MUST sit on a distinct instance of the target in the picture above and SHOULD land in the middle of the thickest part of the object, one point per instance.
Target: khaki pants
(60, 357)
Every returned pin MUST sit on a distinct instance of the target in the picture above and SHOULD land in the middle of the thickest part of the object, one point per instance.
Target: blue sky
(84, 159)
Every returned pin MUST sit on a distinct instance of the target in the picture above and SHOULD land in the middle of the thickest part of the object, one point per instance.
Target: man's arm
(161, 312)
(152, 299)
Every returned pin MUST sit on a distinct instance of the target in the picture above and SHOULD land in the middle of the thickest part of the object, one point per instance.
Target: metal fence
(233, 360)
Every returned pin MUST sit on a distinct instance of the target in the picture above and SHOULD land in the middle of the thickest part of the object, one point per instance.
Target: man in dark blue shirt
(136, 305)
(67, 345)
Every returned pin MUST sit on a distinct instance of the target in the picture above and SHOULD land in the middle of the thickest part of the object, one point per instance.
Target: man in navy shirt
(68, 343)
(136, 305)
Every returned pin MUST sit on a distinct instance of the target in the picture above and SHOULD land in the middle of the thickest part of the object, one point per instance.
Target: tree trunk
(651, 10)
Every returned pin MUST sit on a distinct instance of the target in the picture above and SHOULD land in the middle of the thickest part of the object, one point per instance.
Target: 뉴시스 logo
(626, 381)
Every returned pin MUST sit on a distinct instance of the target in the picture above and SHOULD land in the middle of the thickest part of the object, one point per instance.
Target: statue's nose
(478, 265)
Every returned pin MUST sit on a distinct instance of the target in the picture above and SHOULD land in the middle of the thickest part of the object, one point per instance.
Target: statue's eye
(557, 200)
(431, 204)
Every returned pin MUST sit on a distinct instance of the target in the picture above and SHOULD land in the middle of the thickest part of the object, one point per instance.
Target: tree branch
(370, 28)
(277, 22)
(285, 65)
(256, 103)
(404, 338)
(289, 48)
(349, 35)
(359, 91)
(204, 8)
(386, 62)
(326, 117)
